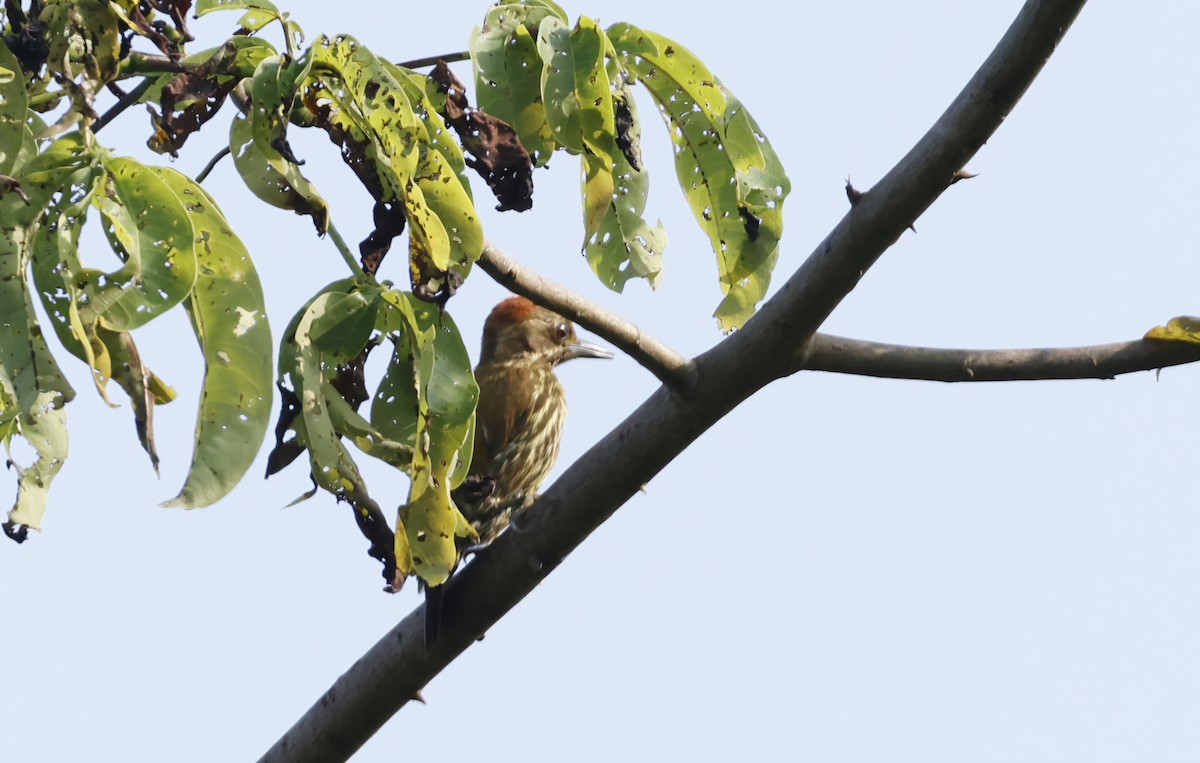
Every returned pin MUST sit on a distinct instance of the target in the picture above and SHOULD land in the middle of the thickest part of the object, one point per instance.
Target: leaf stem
(344, 250)
(212, 163)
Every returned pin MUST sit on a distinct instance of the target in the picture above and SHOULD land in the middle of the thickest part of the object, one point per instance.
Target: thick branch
(771, 345)
(894, 361)
(881, 215)
(671, 368)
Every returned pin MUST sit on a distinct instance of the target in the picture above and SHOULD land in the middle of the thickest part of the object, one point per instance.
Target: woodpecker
(518, 421)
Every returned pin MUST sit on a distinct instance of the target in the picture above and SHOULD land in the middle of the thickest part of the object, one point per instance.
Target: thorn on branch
(962, 174)
(853, 194)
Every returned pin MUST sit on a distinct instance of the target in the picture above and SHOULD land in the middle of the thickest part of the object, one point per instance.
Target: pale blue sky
(922, 572)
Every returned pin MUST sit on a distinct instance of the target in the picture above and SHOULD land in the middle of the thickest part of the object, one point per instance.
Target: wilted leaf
(133, 376)
(373, 113)
(496, 151)
(191, 98)
(44, 427)
(134, 17)
(319, 339)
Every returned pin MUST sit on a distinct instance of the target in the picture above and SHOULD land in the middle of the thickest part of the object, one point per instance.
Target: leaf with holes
(508, 71)
(729, 173)
(373, 106)
(14, 105)
(331, 328)
(258, 13)
(228, 316)
(427, 399)
(33, 390)
(284, 189)
(150, 230)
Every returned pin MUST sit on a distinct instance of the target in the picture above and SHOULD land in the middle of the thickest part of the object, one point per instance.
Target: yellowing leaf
(1185, 328)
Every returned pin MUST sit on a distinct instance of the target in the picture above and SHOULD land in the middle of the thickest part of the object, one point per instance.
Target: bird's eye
(563, 331)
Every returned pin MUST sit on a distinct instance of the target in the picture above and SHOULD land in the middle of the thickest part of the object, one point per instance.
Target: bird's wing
(505, 400)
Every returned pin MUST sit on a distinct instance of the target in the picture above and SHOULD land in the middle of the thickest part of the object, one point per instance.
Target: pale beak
(587, 350)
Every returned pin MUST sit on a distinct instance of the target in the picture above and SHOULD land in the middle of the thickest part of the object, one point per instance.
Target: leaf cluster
(543, 85)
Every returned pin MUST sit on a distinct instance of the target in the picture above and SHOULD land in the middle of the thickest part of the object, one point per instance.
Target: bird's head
(517, 327)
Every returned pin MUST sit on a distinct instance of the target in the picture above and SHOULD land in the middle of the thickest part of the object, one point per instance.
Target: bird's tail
(433, 612)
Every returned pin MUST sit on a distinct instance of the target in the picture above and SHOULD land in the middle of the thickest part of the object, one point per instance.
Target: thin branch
(894, 361)
(449, 58)
(127, 100)
(212, 164)
(771, 345)
(672, 369)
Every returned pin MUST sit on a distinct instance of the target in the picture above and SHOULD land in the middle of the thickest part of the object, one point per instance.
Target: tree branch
(671, 368)
(772, 345)
(125, 101)
(894, 361)
(881, 215)
(449, 58)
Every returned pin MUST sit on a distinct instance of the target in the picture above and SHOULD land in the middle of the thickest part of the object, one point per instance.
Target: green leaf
(427, 399)
(560, 71)
(204, 7)
(147, 225)
(301, 359)
(374, 110)
(14, 105)
(44, 427)
(273, 91)
(228, 315)
(56, 265)
(283, 188)
(28, 369)
(508, 71)
(729, 173)
(32, 388)
(626, 246)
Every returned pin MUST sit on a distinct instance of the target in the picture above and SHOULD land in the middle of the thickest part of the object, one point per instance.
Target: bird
(518, 422)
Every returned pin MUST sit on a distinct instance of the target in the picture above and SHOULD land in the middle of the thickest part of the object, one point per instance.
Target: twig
(672, 369)
(893, 361)
(212, 163)
(130, 98)
(615, 468)
(449, 58)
